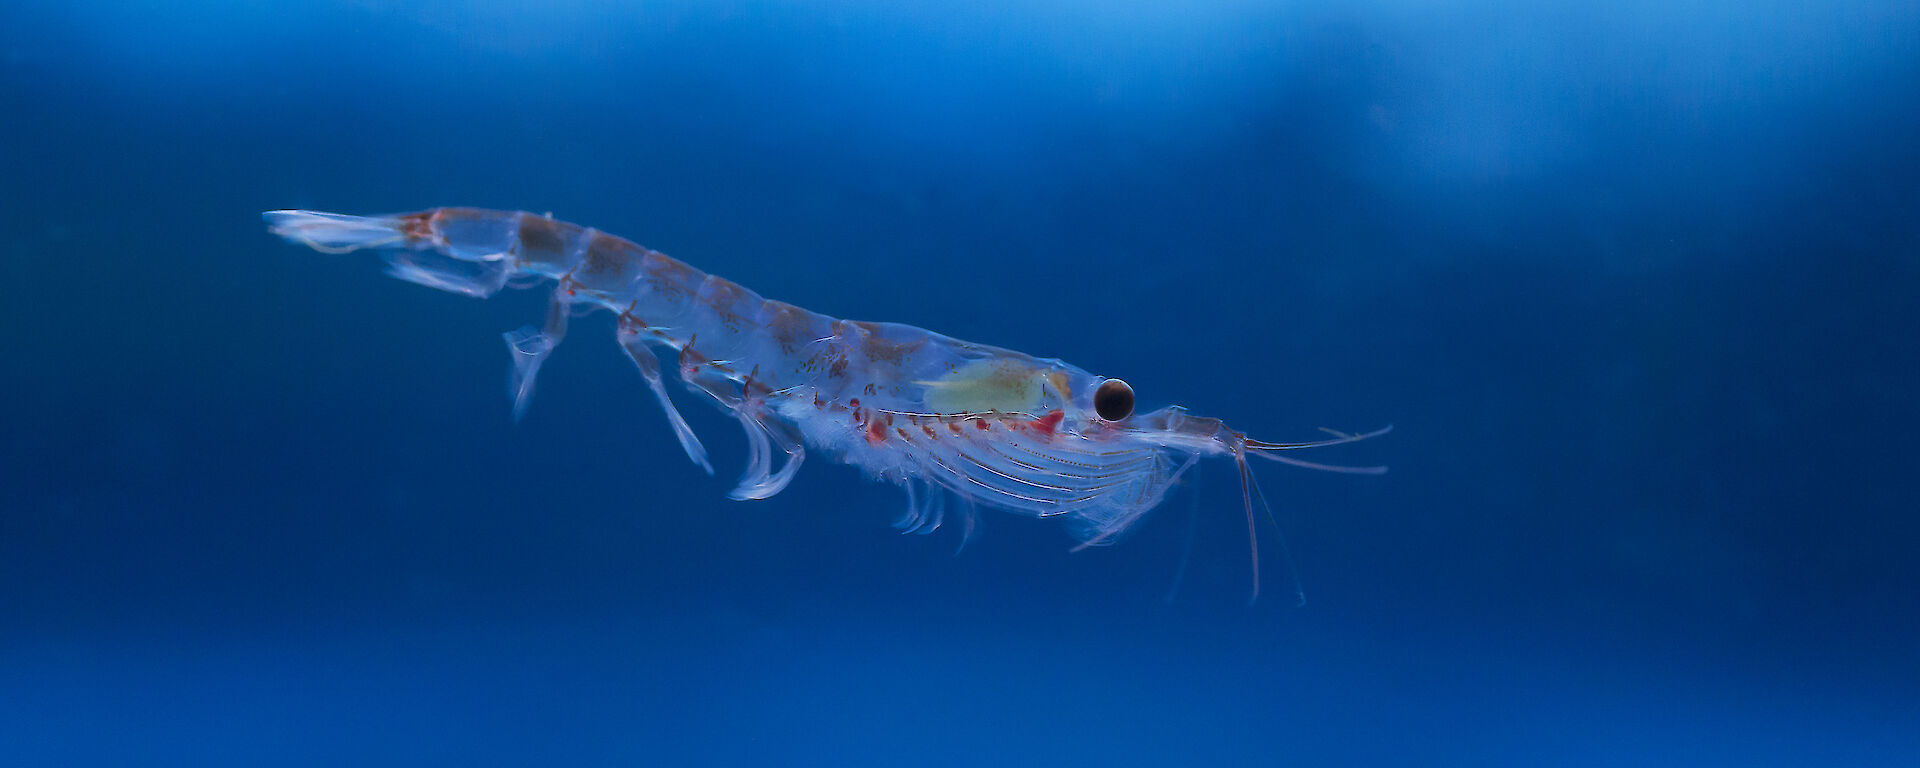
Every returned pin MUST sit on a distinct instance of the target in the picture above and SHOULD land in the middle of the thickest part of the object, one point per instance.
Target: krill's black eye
(1113, 401)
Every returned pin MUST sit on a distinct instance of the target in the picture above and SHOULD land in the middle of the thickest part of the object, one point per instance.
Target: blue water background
(1635, 282)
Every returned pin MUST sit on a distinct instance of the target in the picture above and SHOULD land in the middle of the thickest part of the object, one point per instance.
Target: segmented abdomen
(775, 345)
(671, 302)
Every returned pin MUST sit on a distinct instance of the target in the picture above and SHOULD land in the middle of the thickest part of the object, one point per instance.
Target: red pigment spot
(982, 424)
(854, 403)
(927, 429)
(876, 433)
(1049, 422)
(903, 433)
(955, 426)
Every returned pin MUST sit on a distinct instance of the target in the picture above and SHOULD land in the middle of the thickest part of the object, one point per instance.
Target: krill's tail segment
(336, 232)
(415, 251)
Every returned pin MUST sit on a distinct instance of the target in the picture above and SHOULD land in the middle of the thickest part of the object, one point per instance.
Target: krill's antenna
(1293, 568)
(1193, 527)
(1270, 451)
(1253, 534)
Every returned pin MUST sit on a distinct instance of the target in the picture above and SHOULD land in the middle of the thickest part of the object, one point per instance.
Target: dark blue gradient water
(1635, 283)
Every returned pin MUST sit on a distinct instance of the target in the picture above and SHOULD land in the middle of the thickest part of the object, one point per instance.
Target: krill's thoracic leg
(765, 430)
(784, 438)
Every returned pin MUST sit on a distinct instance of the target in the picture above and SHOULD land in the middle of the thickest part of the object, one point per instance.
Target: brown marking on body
(720, 294)
(607, 254)
(929, 431)
(880, 350)
(876, 432)
(786, 323)
(668, 276)
(541, 235)
(418, 227)
(838, 352)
